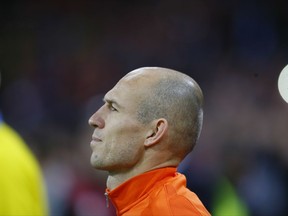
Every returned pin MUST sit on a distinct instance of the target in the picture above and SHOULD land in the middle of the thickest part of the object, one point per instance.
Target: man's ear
(157, 131)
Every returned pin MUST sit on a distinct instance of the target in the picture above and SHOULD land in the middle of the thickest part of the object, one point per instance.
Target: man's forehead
(119, 90)
(110, 95)
(136, 83)
(133, 82)
(126, 89)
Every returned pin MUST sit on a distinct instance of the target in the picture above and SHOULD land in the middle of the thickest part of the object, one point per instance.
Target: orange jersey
(157, 192)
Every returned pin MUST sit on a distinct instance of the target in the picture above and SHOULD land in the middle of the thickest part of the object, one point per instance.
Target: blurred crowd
(58, 58)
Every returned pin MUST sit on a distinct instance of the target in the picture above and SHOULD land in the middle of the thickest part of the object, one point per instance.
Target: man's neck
(115, 179)
(113, 182)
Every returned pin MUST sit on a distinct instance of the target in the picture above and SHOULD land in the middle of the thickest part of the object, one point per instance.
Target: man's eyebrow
(111, 101)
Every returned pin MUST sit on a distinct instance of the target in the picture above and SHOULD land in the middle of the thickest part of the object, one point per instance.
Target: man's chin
(97, 165)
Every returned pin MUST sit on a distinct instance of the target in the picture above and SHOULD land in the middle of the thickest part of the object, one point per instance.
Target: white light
(283, 83)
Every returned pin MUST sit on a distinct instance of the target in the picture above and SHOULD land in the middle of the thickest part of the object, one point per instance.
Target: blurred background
(58, 58)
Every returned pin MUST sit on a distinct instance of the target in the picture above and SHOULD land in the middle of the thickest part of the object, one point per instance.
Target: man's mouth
(96, 139)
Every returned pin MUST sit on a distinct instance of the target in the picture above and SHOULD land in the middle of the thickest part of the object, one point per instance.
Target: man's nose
(96, 120)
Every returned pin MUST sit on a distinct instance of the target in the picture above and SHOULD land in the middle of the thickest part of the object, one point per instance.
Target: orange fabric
(158, 192)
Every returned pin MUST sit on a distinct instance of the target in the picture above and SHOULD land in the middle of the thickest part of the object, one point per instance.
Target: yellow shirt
(22, 190)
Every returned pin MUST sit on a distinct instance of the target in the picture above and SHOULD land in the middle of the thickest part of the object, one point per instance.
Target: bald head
(174, 96)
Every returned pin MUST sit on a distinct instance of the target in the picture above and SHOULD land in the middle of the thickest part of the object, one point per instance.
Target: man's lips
(96, 139)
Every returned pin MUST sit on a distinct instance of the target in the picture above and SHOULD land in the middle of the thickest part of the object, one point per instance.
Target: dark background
(58, 58)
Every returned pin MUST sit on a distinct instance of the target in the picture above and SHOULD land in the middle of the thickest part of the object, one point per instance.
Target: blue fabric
(1, 118)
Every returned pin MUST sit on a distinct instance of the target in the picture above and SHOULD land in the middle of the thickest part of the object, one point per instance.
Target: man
(150, 121)
(22, 190)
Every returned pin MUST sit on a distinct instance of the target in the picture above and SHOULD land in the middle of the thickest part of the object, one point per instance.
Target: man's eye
(111, 107)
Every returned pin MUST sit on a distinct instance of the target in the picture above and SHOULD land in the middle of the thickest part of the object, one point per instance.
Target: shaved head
(174, 96)
(150, 120)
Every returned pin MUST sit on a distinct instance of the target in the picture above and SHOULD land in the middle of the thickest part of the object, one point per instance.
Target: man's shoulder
(168, 196)
(176, 199)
